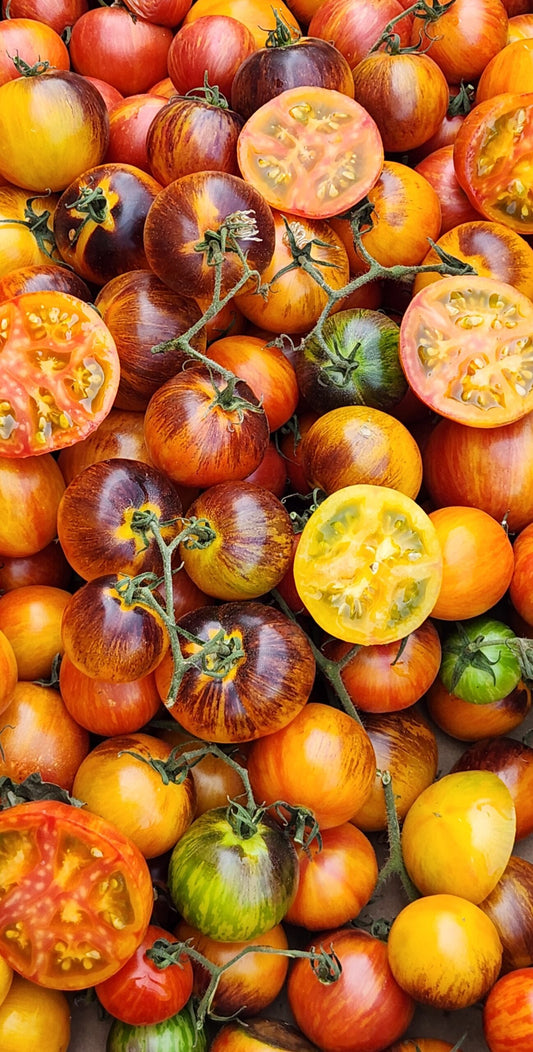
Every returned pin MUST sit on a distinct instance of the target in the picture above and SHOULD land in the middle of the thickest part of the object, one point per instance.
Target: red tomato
(84, 867)
(129, 121)
(478, 562)
(195, 50)
(438, 169)
(140, 993)
(354, 26)
(521, 586)
(32, 41)
(312, 151)
(59, 14)
(509, 1010)
(161, 12)
(465, 349)
(39, 734)
(193, 133)
(271, 473)
(60, 372)
(105, 708)
(265, 369)
(113, 45)
(337, 878)
(464, 38)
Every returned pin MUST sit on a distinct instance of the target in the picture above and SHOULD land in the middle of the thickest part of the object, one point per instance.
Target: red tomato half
(311, 151)
(60, 372)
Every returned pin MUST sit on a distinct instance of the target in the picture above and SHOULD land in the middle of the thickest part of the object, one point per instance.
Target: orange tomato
(478, 562)
(30, 617)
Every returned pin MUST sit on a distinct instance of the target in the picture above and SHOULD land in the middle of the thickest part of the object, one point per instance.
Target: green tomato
(477, 664)
(177, 1034)
(230, 885)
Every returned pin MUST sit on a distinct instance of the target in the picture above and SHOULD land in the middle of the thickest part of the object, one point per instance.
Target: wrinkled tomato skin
(140, 993)
(508, 1010)
(364, 1010)
(30, 492)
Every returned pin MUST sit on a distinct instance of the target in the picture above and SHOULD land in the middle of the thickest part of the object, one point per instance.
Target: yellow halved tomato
(369, 565)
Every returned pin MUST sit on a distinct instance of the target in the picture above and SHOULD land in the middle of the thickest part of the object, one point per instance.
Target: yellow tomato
(33, 1017)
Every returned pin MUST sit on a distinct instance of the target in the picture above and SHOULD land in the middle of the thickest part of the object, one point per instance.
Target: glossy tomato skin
(8, 671)
(130, 53)
(265, 369)
(520, 586)
(194, 439)
(438, 169)
(406, 94)
(31, 40)
(252, 547)
(59, 14)
(273, 69)
(232, 887)
(40, 278)
(509, 908)
(509, 70)
(509, 1010)
(259, 1035)
(44, 327)
(120, 434)
(512, 761)
(444, 951)
(30, 617)
(323, 759)
(269, 684)
(179, 1031)
(491, 248)
(337, 135)
(118, 899)
(35, 1015)
(257, 15)
(39, 734)
(354, 27)
(108, 638)
(142, 994)
(23, 241)
(480, 684)
(195, 50)
(69, 117)
(467, 721)
(30, 491)
(105, 708)
(478, 562)
(193, 134)
(464, 38)
(129, 121)
(335, 1016)
(336, 879)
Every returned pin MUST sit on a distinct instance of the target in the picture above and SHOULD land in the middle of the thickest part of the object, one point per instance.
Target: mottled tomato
(478, 562)
(26, 231)
(354, 26)
(193, 133)
(406, 94)
(120, 434)
(31, 617)
(509, 908)
(59, 14)
(512, 761)
(41, 277)
(30, 491)
(492, 159)
(423, 1044)
(470, 814)
(509, 1010)
(84, 867)
(466, 347)
(140, 993)
(8, 671)
(39, 734)
(180, 1031)
(312, 151)
(195, 50)
(467, 721)
(60, 372)
(510, 70)
(106, 708)
(444, 951)
(260, 1035)
(265, 369)
(337, 878)
(491, 248)
(464, 38)
(369, 565)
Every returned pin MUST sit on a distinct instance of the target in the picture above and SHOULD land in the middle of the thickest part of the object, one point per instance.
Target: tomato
(195, 50)
(491, 248)
(65, 114)
(193, 133)
(257, 15)
(336, 879)
(389, 677)
(260, 1035)
(465, 347)
(84, 867)
(311, 139)
(271, 473)
(295, 300)
(120, 434)
(42, 277)
(512, 761)
(323, 760)
(354, 362)
(31, 617)
(477, 664)
(30, 491)
(112, 44)
(140, 993)
(8, 672)
(281, 65)
(48, 566)
(251, 983)
(438, 169)
(26, 229)
(369, 565)
(161, 12)
(180, 1031)
(491, 156)
(509, 70)
(39, 734)
(362, 1011)
(129, 121)
(61, 372)
(404, 745)
(256, 683)
(509, 908)
(215, 781)
(31, 40)
(96, 512)
(464, 38)
(478, 562)
(186, 211)
(509, 1010)
(467, 721)
(108, 637)
(520, 591)
(265, 369)
(444, 951)
(405, 93)
(59, 14)
(30, 1014)
(233, 881)
(470, 813)
(354, 26)
(201, 430)
(423, 1044)
(354, 445)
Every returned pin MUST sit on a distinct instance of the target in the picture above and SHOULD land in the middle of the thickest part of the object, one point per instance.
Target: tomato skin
(491, 248)
(444, 951)
(509, 1010)
(467, 721)
(479, 684)
(323, 759)
(354, 27)
(478, 562)
(19, 246)
(114, 917)
(364, 1010)
(41, 277)
(35, 1016)
(105, 708)
(140, 993)
(509, 908)
(268, 686)
(260, 1035)
(8, 672)
(30, 491)
(381, 80)
(471, 813)
(520, 589)
(177, 1032)
(195, 49)
(59, 14)
(231, 887)
(129, 121)
(120, 434)
(509, 70)
(257, 15)
(465, 38)
(265, 369)
(70, 119)
(438, 169)
(40, 734)
(31, 40)
(192, 135)
(30, 617)
(129, 53)
(512, 761)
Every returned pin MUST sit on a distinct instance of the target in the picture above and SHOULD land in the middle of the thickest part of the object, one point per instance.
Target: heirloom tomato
(438, 169)
(464, 38)
(369, 565)
(32, 1016)
(42, 277)
(312, 151)
(26, 231)
(193, 133)
(423, 1044)
(81, 867)
(195, 50)
(470, 814)
(120, 434)
(508, 1010)
(492, 159)
(477, 664)
(354, 26)
(161, 12)
(60, 372)
(30, 491)
(444, 951)
(509, 908)
(106, 708)
(129, 121)
(31, 41)
(265, 369)
(179, 1032)
(260, 1035)
(406, 94)
(491, 248)
(257, 15)
(521, 587)
(112, 44)
(478, 562)
(466, 346)
(39, 734)
(30, 617)
(59, 14)
(512, 761)
(467, 721)
(361, 1011)
(8, 671)
(233, 878)
(140, 993)
(511, 70)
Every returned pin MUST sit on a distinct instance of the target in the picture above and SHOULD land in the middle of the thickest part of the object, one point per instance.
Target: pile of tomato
(266, 525)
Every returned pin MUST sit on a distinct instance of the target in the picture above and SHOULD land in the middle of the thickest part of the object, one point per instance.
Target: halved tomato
(311, 151)
(466, 347)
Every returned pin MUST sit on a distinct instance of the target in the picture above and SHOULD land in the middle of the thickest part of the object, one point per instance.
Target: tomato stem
(395, 864)
(420, 9)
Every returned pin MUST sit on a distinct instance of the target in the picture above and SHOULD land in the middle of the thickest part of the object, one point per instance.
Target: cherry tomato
(509, 1010)
(265, 369)
(478, 562)
(39, 734)
(193, 133)
(140, 993)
